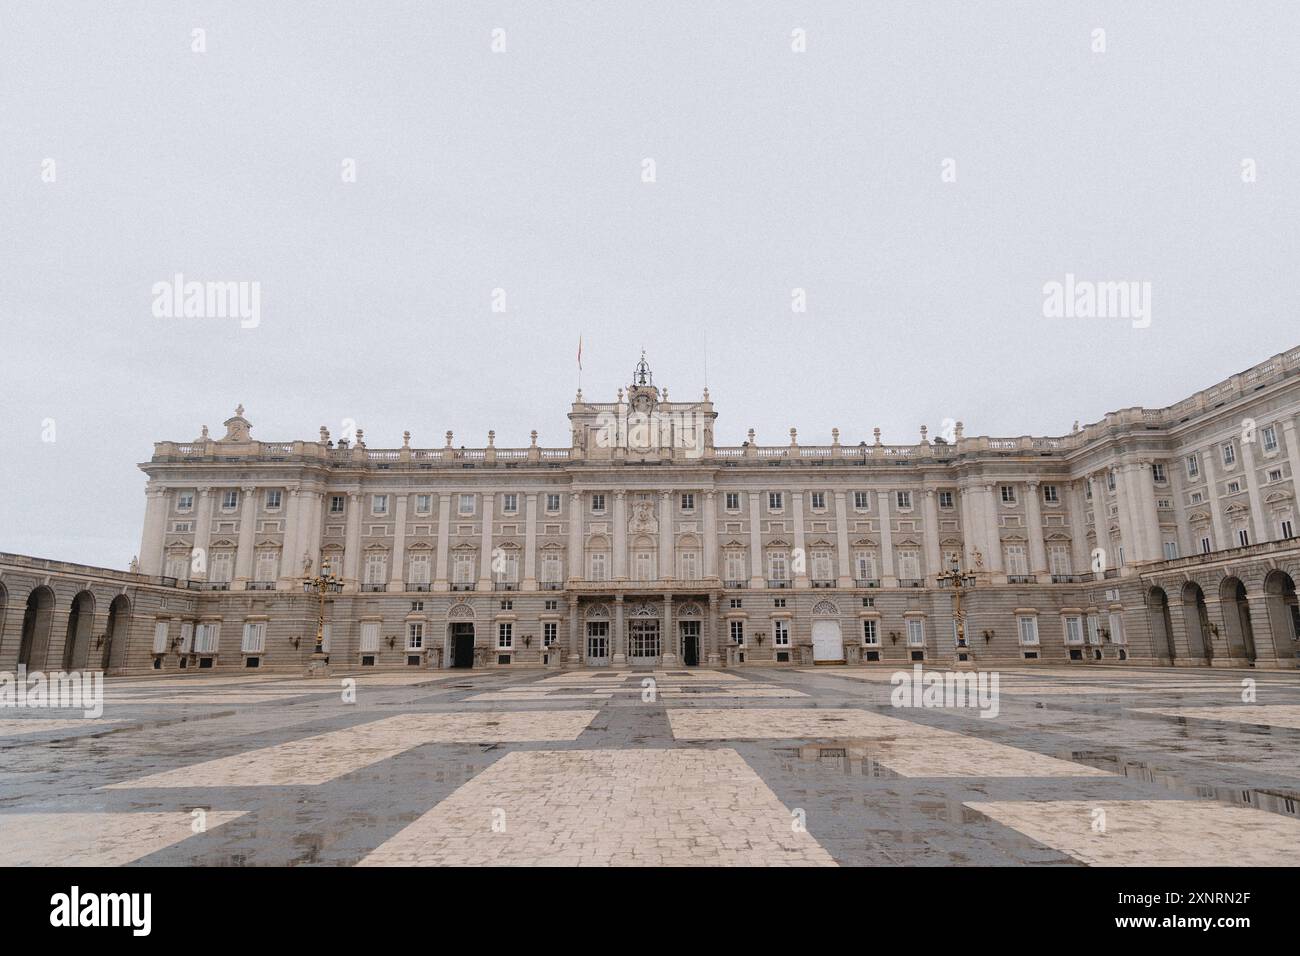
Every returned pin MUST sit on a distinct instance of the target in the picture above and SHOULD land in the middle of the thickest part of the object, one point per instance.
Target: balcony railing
(374, 587)
(410, 586)
(552, 585)
(911, 582)
(259, 585)
(778, 583)
(823, 583)
(463, 587)
(866, 582)
(1068, 578)
(214, 585)
(735, 584)
(1021, 578)
(505, 585)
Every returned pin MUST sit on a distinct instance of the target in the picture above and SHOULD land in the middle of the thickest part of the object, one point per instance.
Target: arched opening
(1196, 623)
(38, 618)
(119, 622)
(1162, 629)
(81, 622)
(827, 638)
(1236, 618)
(1283, 614)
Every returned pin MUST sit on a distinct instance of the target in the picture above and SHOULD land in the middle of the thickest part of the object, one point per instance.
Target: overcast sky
(523, 171)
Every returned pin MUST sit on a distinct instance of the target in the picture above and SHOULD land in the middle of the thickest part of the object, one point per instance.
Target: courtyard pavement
(815, 767)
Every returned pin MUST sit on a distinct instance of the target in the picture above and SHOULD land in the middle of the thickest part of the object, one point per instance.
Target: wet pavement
(680, 767)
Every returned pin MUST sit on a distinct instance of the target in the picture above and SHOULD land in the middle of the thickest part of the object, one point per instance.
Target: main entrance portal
(643, 642)
(690, 643)
(828, 643)
(462, 644)
(597, 643)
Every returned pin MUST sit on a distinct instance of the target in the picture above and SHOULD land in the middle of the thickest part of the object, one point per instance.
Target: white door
(828, 643)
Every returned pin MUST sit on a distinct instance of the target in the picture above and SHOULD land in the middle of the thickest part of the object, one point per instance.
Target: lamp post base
(318, 666)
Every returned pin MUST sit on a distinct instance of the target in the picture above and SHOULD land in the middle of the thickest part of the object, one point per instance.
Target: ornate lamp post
(322, 585)
(958, 580)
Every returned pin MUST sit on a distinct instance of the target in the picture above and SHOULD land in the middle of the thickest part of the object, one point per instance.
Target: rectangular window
(903, 499)
(1243, 537)
(909, 565)
(1158, 472)
(781, 633)
(864, 563)
(1094, 632)
(336, 504)
(1197, 498)
(185, 501)
(871, 632)
(733, 501)
(418, 569)
(1117, 635)
(423, 504)
(822, 566)
(1205, 546)
(369, 637)
(1275, 474)
(414, 635)
(267, 566)
(505, 636)
(1286, 529)
(819, 500)
(861, 500)
(463, 568)
(1269, 437)
(1009, 494)
(598, 504)
(550, 630)
(552, 572)
(510, 503)
(1110, 481)
(254, 638)
(688, 501)
(1050, 494)
(738, 632)
(775, 501)
(222, 569)
(735, 565)
(776, 564)
(1234, 487)
(599, 566)
(160, 637)
(1058, 559)
(1229, 454)
(229, 500)
(376, 568)
(553, 504)
(1171, 550)
(688, 566)
(273, 501)
(1193, 466)
(1028, 627)
(945, 499)
(1073, 630)
(466, 506)
(1015, 555)
(915, 632)
(207, 637)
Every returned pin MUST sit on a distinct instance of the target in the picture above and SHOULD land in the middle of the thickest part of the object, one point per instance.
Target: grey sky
(522, 170)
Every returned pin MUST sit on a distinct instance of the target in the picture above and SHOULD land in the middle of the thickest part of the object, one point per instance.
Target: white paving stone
(38, 725)
(1270, 715)
(95, 839)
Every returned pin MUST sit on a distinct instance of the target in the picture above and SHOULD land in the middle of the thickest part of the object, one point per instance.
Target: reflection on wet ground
(632, 767)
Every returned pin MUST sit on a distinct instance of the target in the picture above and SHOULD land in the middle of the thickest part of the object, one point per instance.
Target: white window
(1110, 481)
(775, 501)
(1058, 556)
(510, 503)
(1009, 494)
(376, 568)
(871, 632)
(1028, 627)
(688, 501)
(463, 568)
(1268, 434)
(550, 630)
(552, 569)
(688, 566)
(466, 506)
(1015, 555)
(508, 567)
(229, 500)
(1229, 454)
(777, 565)
(822, 568)
(738, 632)
(945, 499)
(208, 637)
(864, 563)
(1193, 466)
(505, 636)
(379, 504)
(414, 635)
(1197, 497)
(1094, 631)
(733, 501)
(1073, 629)
(267, 565)
(1158, 472)
(160, 637)
(273, 501)
(178, 566)
(818, 500)
(337, 504)
(1051, 495)
(1275, 474)
(187, 637)
(735, 563)
(861, 500)
(1171, 550)
(909, 565)
(553, 503)
(903, 500)
(781, 633)
(254, 638)
(423, 504)
(185, 501)
(369, 637)
(1117, 628)
(222, 567)
(1234, 487)
(915, 632)
(418, 569)
(598, 504)
(599, 566)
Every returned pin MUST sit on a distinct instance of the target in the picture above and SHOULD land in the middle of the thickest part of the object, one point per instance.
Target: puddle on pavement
(850, 758)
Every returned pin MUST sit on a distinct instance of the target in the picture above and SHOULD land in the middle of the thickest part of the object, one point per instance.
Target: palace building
(1157, 536)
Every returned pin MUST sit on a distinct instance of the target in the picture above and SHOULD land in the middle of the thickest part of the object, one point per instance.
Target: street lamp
(958, 580)
(322, 585)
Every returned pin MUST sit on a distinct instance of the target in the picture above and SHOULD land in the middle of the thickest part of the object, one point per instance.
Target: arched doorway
(1162, 629)
(115, 640)
(827, 639)
(38, 618)
(598, 636)
(690, 633)
(459, 651)
(81, 622)
(1236, 617)
(1196, 623)
(643, 637)
(1282, 613)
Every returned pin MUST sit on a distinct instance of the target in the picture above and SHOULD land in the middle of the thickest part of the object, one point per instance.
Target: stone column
(154, 537)
(397, 575)
(800, 540)
(352, 547)
(667, 539)
(756, 569)
(485, 542)
(1081, 561)
(577, 568)
(711, 627)
(992, 533)
(530, 541)
(1178, 481)
(933, 557)
(710, 534)
(620, 536)
(247, 527)
(1257, 519)
(887, 576)
(575, 653)
(668, 645)
(1148, 512)
(845, 563)
(1221, 540)
(618, 639)
(1293, 456)
(1034, 518)
(290, 542)
(440, 581)
(972, 533)
(202, 536)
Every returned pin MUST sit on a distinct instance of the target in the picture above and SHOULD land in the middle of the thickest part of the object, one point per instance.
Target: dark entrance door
(462, 645)
(691, 643)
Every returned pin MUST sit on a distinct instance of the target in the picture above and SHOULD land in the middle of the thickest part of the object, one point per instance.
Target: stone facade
(1155, 535)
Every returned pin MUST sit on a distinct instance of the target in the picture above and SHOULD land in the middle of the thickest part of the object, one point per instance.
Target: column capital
(1033, 483)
